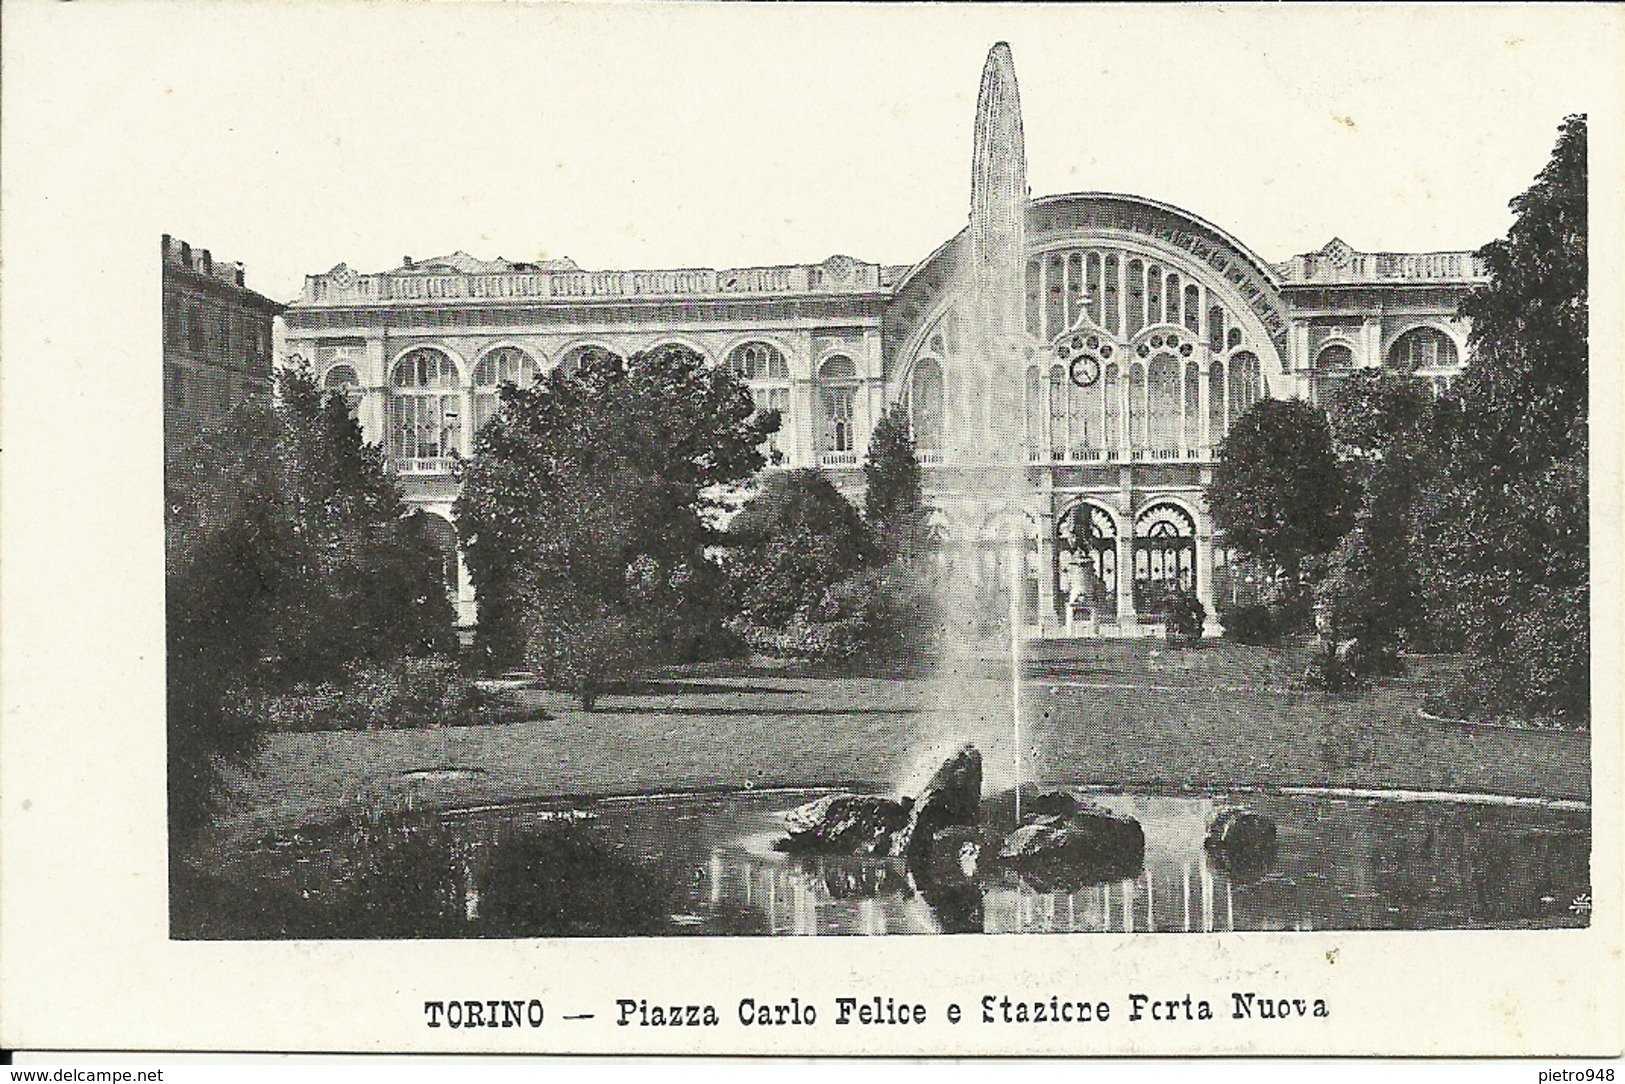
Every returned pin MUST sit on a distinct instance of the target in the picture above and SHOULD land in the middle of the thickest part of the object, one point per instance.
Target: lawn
(1129, 714)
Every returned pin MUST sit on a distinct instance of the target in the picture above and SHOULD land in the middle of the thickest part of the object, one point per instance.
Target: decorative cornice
(1337, 264)
(342, 286)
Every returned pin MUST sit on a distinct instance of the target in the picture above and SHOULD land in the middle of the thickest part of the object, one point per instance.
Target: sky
(293, 137)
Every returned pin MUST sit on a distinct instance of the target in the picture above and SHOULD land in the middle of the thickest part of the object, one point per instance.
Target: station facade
(1145, 333)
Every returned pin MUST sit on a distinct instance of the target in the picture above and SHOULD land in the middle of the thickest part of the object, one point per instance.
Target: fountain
(946, 834)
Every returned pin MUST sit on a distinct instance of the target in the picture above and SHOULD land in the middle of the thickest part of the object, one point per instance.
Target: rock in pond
(999, 810)
(1242, 843)
(952, 797)
(845, 824)
(1088, 845)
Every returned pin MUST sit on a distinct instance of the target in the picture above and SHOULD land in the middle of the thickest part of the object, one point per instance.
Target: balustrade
(423, 465)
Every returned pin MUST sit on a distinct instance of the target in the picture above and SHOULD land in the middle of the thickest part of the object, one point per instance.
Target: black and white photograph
(694, 501)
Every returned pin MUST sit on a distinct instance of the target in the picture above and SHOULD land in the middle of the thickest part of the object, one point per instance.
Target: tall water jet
(984, 473)
(998, 254)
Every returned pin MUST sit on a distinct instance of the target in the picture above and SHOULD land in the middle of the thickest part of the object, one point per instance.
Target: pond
(700, 865)
(1342, 863)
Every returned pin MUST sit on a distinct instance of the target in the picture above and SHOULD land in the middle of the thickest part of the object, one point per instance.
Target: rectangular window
(777, 399)
(838, 404)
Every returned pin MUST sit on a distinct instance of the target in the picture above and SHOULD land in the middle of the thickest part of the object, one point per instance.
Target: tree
(1278, 492)
(894, 502)
(288, 556)
(1504, 532)
(585, 511)
(794, 540)
(1383, 426)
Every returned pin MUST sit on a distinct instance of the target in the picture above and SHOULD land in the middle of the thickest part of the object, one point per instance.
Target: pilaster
(372, 412)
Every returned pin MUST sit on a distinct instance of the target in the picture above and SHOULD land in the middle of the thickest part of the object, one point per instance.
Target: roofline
(1259, 264)
(1263, 267)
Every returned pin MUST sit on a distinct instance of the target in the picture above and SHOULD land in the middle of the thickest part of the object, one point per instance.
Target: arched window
(424, 369)
(1336, 356)
(1162, 406)
(1332, 366)
(1113, 392)
(1422, 348)
(762, 366)
(1034, 297)
(1215, 328)
(1193, 406)
(504, 365)
(753, 362)
(926, 406)
(343, 379)
(838, 367)
(1086, 564)
(1215, 403)
(1172, 294)
(1246, 383)
(1135, 285)
(1232, 338)
(1092, 285)
(1110, 323)
(1193, 309)
(1074, 287)
(425, 410)
(443, 536)
(1055, 295)
(838, 393)
(581, 356)
(1164, 558)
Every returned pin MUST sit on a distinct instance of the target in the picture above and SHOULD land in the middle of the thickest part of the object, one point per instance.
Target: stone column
(1203, 396)
(1046, 567)
(804, 404)
(1204, 580)
(1371, 342)
(373, 412)
(466, 604)
(1298, 348)
(1127, 619)
(1300, 362)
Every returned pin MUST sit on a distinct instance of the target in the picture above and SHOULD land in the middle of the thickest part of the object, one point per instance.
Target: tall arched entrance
(443, 536)
(1086, 565)
(1164, 558)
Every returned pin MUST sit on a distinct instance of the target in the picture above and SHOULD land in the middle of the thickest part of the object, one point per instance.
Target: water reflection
(1339, 864)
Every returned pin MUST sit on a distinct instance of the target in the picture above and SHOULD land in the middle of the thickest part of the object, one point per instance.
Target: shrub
(793, 541)
(1253, 624)
(1338, 665)
(406, 694)
(1185, 617)
(889, 613)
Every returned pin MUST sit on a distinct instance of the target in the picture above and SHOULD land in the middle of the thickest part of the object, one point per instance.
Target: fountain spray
(998, 266)
(1017, 554)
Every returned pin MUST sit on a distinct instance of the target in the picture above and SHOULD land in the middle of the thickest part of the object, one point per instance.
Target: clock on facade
(1084, 370)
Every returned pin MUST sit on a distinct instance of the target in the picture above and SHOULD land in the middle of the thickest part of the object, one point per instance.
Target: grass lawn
(1131, 714)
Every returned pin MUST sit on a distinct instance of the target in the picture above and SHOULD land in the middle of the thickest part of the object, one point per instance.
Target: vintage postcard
(560, 528)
